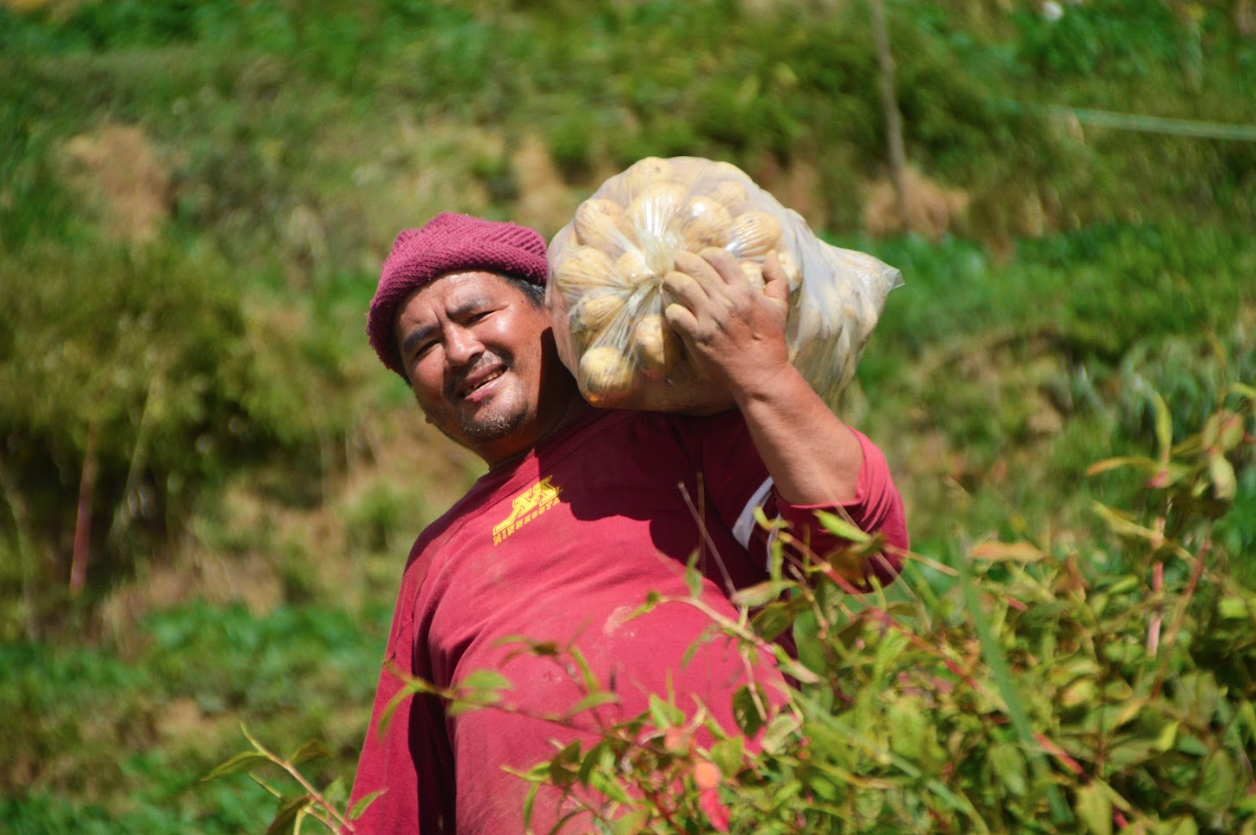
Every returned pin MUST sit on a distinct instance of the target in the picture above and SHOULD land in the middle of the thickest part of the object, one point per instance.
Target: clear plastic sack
(606, 298)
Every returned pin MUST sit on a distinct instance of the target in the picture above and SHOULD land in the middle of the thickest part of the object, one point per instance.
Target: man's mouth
(477, 380)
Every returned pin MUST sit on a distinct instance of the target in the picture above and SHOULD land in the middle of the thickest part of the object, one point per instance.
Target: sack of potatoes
(606, 297)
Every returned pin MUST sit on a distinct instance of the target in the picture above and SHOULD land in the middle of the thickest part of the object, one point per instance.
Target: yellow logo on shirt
(525, 507)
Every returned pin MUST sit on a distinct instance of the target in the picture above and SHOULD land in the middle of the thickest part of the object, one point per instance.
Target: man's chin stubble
(493, 428)
(473, 431)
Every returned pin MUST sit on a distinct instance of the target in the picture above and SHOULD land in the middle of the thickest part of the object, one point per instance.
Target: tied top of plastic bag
(606, 298)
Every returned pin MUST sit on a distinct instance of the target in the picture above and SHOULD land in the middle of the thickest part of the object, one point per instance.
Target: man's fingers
(685, 288)
(680, 318)
(725, 265)
(775, 282)
(697, 268)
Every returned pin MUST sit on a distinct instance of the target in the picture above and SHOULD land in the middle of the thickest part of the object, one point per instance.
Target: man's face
(481, 360)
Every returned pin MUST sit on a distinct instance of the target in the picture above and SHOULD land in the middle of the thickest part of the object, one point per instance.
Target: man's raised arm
(735, 334)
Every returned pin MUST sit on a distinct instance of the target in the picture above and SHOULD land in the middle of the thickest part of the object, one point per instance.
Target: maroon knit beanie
(448, 243)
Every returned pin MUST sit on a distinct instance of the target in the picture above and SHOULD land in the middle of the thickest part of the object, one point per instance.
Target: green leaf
(760, 594)
(1080, 692)
(778, 733)
(1129, 751)
(608, 786)
(528, 803)
(729, 753)
(1020, 552)
(241, 763)
(1184, 825)
(1164, 430)
(1243, 390)
(746, 712)
(461, 706)
(1231, 433)
(598, 755)
(1224, 484)
(1122, 523)
(1095, 809)
(1188, 743)
(591, 684)
(1142, 462)
(910, 726)
(482, 681)
(802, 674)
(359, 808)
(665, 715)
(591, 701)
(1010, 767)
(840, 527)
(1235, 608)
(288, 811)
(1247, 716)
(1167, 736)
(631, 823)
(563, 767)
(336, 793)
(311, 750)
(772, 620)
(1218, 783)
(807, 641)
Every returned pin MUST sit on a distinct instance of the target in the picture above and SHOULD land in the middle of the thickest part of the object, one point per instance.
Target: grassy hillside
(195, 198)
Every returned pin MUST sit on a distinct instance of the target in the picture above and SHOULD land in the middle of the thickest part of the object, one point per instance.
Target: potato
(731, 194)
(599, 223)
(644, 173)
(702, 222)
(752, 235)
(657, 345)
(637, 269)
(598, 310)
(607, 374)
(652, 210)
(727, 170)
(586, 268)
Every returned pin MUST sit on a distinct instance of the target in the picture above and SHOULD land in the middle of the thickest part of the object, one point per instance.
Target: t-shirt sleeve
(876, 508)
(737, 483)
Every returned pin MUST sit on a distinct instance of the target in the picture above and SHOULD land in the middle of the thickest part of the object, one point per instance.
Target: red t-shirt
(562, 546)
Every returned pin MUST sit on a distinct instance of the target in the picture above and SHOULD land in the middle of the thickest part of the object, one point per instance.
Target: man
(581, 514)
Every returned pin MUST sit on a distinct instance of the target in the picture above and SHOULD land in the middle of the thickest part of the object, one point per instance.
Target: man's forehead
(455, 291)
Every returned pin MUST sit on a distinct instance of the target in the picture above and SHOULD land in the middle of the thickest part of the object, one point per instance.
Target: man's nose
(462, 346)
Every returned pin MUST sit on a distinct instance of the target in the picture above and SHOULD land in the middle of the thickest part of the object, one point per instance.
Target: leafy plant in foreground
(1040, 686)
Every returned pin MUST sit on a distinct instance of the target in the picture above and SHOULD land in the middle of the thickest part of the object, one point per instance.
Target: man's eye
(421, 349)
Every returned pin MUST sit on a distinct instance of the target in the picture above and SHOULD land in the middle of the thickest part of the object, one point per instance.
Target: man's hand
(733, 330)
(735, 335)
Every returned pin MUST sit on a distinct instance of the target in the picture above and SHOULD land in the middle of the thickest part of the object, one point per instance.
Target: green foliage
(142, 365)
(128, 735)
(118, 356)
(1098, 291)
(299, 137)
(1117, 39)
(374, 521)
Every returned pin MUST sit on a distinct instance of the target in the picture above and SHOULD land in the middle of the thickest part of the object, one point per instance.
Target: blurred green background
(195, 198)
